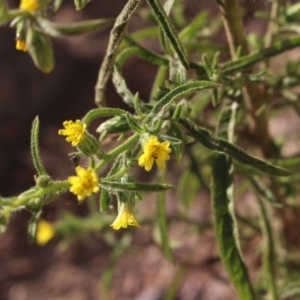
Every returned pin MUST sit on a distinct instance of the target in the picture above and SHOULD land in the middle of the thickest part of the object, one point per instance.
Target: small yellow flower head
(155, 151)
(45, 232)
(21, 45)
(125, 218)
(29, 5)
(85, 183)
(73, 131)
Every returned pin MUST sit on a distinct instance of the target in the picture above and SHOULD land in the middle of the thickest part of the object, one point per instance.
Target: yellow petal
(45, 232)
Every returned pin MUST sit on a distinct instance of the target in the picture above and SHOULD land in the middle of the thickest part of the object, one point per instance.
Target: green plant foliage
(204, 93)
(224, 224)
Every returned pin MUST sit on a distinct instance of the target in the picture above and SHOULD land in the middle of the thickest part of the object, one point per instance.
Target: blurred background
(78, 271)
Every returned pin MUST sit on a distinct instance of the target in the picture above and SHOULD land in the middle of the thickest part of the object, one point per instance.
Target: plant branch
(116, 36)
(254, 96)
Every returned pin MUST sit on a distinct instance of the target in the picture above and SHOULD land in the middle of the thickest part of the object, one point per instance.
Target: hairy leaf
(208, 140)
(169, 30)
(224, 226)
(34, 145)
(176, 94)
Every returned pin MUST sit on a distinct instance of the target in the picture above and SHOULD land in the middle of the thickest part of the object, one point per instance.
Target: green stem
(272, 26)
(268, 249)
(55, 186)
(117, 151)
(162, 219)
(117, 175)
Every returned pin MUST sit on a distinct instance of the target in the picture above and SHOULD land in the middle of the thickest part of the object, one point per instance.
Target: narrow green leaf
(206, 63)
(226, 121)
(158, 81)
(101, 112)
(146, 54)
(268, 251)
(104, 200)
(124, 55)
(178, 72)
(264, 191)
(169, 30)
(134, 186)
(176, 94)
(145, 33)
(244, 158)
(117, 165)
(32, 226)
(177, 146)
(133, 124)
(163, 227)
(138, 105)
(261, 55)
(188, 187)
(206, 139)
(34, 146)
(115, 38)
(225, 228)
(293, 163)
(58, 30)
(171, 139)
(189, 32)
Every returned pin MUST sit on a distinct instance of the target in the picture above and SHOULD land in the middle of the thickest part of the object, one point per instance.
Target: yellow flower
(155, 151)
(85, 183)
(73, 131)
(21, 45)
(29, 5)
(125, 218)
(45, 232)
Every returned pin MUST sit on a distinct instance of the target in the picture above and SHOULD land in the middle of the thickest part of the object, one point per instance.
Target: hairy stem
(129, 143)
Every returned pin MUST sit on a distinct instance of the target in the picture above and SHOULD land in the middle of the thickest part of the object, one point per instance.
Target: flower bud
(40, 49)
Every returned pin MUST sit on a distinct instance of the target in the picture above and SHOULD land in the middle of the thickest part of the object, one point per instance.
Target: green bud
(40, 49)
(43, 180)
(88, 145)
(114, 125)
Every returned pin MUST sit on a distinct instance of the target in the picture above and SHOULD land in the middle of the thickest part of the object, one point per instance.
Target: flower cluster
(154, 151)
(87, 182)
